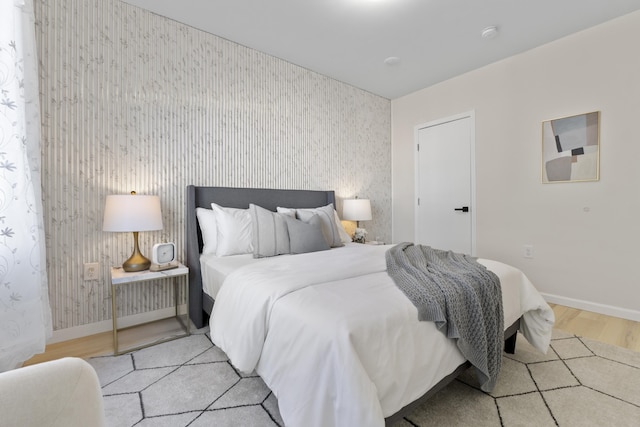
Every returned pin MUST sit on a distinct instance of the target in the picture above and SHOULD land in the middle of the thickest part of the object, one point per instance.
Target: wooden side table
(120, 277)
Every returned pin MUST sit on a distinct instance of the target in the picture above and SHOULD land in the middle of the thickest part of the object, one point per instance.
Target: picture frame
(571, 148)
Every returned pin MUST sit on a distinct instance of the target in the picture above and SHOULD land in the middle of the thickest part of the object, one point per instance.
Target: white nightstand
(120, 277)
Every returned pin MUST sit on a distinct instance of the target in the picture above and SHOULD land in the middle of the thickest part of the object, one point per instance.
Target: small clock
(163, 253)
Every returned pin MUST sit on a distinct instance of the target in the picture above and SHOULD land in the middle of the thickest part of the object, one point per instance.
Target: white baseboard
(107, 325)
(123, 322)
(609, 310)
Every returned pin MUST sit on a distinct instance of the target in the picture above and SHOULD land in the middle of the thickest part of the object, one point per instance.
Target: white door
(445, 188)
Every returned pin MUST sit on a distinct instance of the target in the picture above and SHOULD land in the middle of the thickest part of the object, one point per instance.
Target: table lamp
(133, 213)
(357, 210)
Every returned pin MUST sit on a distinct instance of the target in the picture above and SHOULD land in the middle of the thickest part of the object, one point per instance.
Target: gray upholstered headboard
(200, 304)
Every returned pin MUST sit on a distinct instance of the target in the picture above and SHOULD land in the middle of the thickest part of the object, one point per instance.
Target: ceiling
(349, 40)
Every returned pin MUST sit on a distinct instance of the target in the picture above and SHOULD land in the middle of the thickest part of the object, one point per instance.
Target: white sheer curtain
(25, 315)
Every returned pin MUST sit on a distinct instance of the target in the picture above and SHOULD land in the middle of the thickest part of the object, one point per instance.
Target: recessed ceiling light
(392, 60)
(489, 32)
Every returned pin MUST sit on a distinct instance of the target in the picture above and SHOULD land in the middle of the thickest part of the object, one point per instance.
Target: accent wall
(134, 101)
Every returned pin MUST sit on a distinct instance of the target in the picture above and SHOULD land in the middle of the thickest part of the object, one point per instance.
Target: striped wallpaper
(134, 101)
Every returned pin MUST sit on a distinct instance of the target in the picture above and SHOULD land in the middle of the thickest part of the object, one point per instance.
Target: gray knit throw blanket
(461, 296)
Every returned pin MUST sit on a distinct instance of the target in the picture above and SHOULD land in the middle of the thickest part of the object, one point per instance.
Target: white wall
(586, 236)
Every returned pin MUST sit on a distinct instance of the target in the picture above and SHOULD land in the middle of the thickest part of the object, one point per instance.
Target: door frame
(472, 135)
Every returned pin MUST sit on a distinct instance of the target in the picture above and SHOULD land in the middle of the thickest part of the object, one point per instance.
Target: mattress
(215, 269)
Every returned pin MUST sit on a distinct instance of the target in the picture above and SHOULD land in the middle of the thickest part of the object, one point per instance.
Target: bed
(337, 343)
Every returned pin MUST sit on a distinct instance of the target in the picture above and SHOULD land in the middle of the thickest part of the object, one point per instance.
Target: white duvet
(336, 340)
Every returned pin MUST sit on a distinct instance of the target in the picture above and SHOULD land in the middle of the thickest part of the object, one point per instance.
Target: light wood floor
(607, 329)
(102, 344)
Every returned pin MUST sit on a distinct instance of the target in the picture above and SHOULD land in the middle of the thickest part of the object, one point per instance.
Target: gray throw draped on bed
(460, 295)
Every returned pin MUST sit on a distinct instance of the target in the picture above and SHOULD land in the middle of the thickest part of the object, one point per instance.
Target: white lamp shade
(132, 213)
(356, 210)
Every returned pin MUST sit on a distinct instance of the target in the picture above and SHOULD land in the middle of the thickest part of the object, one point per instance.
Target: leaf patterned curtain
(25, 315)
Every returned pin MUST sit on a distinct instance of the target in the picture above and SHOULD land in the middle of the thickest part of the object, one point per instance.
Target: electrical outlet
(91, 271)
(527, 251)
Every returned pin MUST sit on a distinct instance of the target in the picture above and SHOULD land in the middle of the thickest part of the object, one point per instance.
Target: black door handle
(463, 209)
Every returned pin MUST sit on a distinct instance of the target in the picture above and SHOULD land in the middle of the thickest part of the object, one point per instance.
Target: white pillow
(234, 231)
(344, 236)
(290, 212)
(209, 229)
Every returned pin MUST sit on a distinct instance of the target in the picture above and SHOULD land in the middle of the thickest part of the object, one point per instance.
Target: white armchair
(64, 392)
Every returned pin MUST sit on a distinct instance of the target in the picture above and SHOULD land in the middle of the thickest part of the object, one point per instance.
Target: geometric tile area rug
(190, 382)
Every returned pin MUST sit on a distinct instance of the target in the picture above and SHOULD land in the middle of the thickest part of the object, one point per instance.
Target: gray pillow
(270, 232)
(328, 221)
(306, 236)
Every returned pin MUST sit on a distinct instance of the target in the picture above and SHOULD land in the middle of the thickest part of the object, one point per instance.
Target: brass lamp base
(137, 261)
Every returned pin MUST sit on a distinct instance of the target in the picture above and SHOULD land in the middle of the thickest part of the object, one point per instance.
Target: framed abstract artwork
(571, 148)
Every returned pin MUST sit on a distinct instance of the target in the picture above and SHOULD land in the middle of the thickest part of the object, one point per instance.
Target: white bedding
(336, 340)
